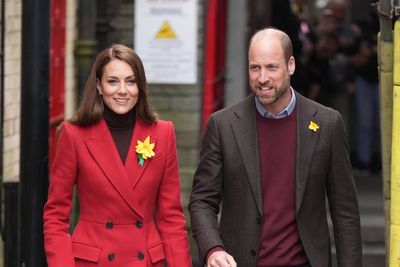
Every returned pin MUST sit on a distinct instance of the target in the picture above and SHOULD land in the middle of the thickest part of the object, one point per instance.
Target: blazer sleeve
(169, 213)
(207, 192)
(343, 203)
(57, 239)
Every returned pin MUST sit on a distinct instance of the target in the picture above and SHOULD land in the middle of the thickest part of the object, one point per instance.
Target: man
(269, 162)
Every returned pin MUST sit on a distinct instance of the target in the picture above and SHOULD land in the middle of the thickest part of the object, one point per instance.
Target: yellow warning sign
(165, 32)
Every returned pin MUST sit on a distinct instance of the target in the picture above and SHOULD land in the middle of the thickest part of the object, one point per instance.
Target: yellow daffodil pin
(313, 126)
(144, 150)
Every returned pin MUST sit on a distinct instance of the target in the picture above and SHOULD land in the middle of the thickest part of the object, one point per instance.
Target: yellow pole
(385, 62)
(395, 166)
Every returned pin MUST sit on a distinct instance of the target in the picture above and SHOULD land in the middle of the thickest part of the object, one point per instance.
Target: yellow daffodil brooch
(144, 150)
(313, 126)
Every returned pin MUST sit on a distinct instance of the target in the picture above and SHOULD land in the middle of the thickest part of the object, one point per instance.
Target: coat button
(139, 224)
(258, 220)
(253, 252)
(140, 256)
(111, 256)
(109, 225)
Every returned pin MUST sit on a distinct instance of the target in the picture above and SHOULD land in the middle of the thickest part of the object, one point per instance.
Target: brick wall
(12, 82)
(12, 90)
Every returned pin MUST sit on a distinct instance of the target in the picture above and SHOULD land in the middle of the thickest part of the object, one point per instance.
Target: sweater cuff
(212, 250)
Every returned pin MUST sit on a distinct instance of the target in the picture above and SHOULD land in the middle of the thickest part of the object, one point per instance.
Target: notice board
(165, 37)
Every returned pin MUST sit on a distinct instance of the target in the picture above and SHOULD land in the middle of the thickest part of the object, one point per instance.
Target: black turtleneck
(121, 128)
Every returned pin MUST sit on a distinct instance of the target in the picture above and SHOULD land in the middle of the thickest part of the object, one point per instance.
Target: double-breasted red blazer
(130, 215)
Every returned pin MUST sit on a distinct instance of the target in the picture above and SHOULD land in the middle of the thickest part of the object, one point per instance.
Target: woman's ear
(98, 86)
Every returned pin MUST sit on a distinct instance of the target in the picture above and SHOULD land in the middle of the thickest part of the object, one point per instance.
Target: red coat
(129, 215)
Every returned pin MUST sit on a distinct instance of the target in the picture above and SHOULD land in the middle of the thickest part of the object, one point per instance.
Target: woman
(124, 164)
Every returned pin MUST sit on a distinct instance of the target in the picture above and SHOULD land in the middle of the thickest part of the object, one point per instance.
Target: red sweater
(280, 243)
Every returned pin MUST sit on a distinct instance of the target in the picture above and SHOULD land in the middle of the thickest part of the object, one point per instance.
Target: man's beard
(279, 92)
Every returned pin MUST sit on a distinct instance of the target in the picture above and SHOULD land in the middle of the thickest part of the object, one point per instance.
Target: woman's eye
(130, 82)
(112, 82)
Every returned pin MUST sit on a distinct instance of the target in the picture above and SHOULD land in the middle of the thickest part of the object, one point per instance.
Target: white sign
(165, 36)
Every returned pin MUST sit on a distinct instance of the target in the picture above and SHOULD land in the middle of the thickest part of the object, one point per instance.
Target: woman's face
(118, 86)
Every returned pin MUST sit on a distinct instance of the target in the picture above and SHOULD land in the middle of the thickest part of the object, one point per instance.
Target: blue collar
(283, 114)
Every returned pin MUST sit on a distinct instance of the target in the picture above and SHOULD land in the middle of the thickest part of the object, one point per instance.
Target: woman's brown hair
(90, 109)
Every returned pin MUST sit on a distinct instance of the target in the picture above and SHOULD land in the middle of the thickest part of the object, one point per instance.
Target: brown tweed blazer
(227, 182)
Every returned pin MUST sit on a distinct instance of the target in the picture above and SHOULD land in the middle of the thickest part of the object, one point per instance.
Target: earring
(100, 93)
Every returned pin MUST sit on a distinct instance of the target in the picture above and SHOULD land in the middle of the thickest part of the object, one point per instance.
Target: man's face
(269, 74)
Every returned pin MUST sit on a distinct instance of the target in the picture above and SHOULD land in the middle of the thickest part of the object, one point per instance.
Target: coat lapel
(306, 141)
(245, 132)
(134, 171)
(102, 147)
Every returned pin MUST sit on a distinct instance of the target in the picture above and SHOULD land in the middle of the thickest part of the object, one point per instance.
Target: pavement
(370, 195)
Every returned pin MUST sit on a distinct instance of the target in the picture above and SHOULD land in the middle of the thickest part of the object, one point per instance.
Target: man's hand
(221, 259)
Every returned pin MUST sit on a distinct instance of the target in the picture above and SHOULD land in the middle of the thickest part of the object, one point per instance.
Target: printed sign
(165, 37)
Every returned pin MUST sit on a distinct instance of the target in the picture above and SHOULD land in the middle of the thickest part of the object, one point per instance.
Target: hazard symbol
(165, 32)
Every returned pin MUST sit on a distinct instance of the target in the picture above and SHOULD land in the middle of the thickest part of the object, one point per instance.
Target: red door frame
(214, 66)
(57, 70)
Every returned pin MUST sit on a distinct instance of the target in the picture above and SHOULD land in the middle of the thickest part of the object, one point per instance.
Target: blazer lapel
(306, 141)
(245, 132)
(132, 167)
(102, 147)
